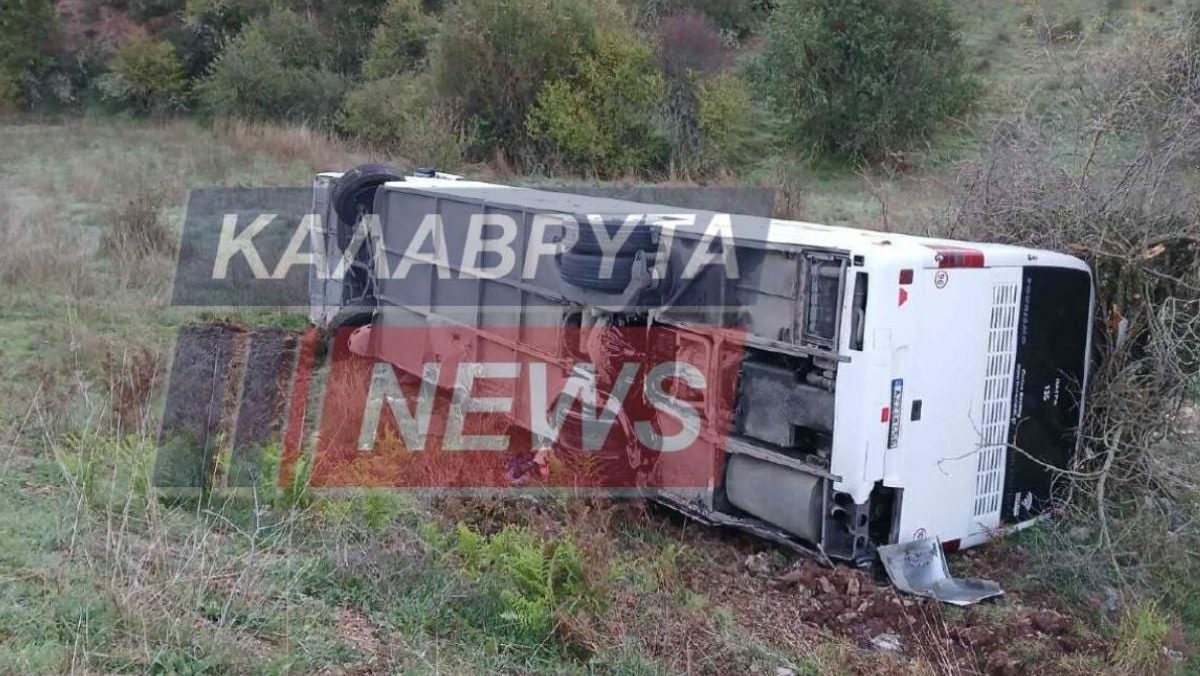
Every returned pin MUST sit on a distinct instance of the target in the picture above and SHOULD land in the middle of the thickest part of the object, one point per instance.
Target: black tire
(583, 270)
(354, 195)
(640, 238)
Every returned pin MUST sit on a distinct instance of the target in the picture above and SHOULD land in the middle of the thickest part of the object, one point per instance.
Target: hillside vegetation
(1072, 125)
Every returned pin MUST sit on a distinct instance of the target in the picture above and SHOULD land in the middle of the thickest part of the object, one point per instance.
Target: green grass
(97, 574)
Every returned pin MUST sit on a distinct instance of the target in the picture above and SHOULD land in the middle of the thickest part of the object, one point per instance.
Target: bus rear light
(958, 257)
(906, 276)
(885, 414)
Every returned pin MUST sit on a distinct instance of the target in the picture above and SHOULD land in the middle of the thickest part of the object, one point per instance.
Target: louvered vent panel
(997, 388)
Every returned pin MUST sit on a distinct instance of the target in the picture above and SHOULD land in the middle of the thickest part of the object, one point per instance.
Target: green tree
(401, 39)
(725, 118)
(600, 120)
(859, 78)
(401, 113)
(146, 76)
(492, 57)
(26, 29)
(275, 69)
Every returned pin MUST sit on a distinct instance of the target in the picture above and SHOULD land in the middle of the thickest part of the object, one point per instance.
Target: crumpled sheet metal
(919, 567)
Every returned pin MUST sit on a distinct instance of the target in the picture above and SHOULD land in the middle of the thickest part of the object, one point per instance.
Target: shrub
(493, 56)
(141, 10)
(207, 26)
(401, 113)
(735, 18)
(11, 96)
(295, 40)
(350, 23)
(690, 42)
(146, 77)
(860, 78)
(690, 49)
(26, 29)
(400, 41)
(533, 581)
(274, 70)
(724, 120)
(600, 120)
(135, 230)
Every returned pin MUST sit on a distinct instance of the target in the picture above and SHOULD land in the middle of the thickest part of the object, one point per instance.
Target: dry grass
(40, 252)
(317, 150)
(134, 227)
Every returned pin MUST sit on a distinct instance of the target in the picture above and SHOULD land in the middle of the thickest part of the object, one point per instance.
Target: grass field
(100, 575)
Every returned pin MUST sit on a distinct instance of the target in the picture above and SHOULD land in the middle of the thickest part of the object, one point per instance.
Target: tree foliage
(275, 70)
(493, 56)
(860, 78)
(401, 113)
(600, 120)
(400, 41)
(26, 29)
(146, 76)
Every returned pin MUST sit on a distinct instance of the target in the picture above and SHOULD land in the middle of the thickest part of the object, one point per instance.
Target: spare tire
(640, 239)
(354, 195)
(583, 270)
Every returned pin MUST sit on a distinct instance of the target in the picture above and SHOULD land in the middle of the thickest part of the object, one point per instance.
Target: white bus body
(896, 387)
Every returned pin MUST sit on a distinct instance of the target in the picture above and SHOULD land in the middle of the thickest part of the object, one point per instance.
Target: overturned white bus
(886, 387)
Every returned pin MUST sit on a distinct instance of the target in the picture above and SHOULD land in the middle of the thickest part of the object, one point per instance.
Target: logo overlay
(462, 348)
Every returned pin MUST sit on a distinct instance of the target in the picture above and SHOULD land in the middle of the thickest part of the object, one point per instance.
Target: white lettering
(292, 255)
(477, 245)
(720, 226)
(230, 244)
(414, 426)
(686, 413)
(464, 402)
(430, 228)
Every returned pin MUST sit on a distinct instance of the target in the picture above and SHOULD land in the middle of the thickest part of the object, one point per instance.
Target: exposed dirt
(788, 600)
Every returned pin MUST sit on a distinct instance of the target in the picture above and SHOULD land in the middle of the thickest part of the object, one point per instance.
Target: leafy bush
(146, 77)
(725, 122)
(295, 40)
(533, 580)
(690, 42)
(274, 70)
(400, 41)
(735, 18)
(859, 78)
(26, 29)
(11, 96)
(690, 50)
(600, 120)
(141, 10)
(206, 27)
(226, 18)
(493, 56)
(401, 113)
(350, 23)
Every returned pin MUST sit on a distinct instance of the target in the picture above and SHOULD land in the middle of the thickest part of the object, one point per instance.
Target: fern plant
(533, 580)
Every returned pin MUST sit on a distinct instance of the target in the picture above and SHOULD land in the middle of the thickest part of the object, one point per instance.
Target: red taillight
(958, 257)
(906, 276)
(885, 414)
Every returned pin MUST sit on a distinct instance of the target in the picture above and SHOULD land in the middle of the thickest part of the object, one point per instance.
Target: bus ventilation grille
(997, 399)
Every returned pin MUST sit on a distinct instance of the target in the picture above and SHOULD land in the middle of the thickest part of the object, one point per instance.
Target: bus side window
(858, 317)
(823, 276)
